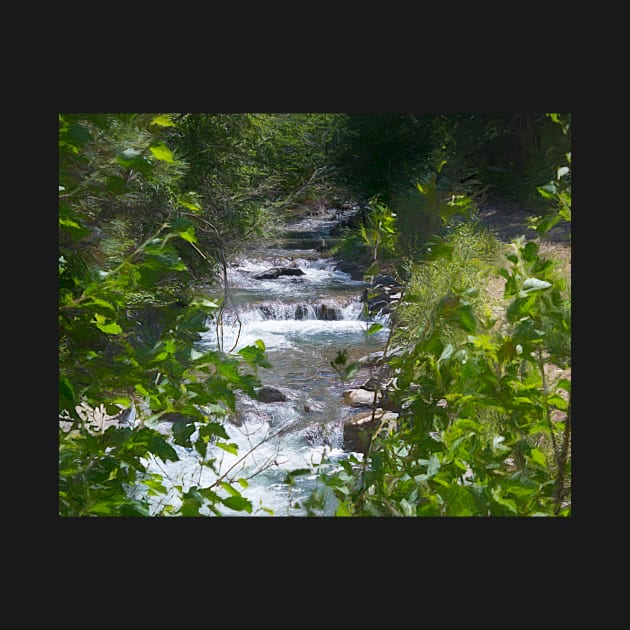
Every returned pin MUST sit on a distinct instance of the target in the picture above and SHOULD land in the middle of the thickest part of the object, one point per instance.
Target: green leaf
(212, 429)
(111, 328)
(182, 432)
(190, 201)
(162, 152)
(103, 305)
(240, 504)
(374, 328)
(433, 466)
(564, 384)
(155, 486)
(255, 355)
(342, 510)
(446, 353)
(467, 318)
(508, 503)
(555, 400)
(290, 477)
(229, 489)
(76, 231)
(67, 398)
(163, 121)
(538, 457)
(160, 447)
(188, 234)
(230, 448)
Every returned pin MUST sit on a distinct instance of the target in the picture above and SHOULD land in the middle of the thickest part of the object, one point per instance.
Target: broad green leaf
(467, 318)
(508, 503)
(103, 305)
(446, 353)
(162, 152)
(164, 120)
(433, 466)
(188, 234)
(190, 201)
(342, 510)
(182, 432)
(555, 400)
(160, 447)
(240, 504)
(538, 457)
(155, 486)
(564, 384)
(111, 328)
(73, 228)
(374, 328)
(229, 489)
(230, 448)
(254, 355)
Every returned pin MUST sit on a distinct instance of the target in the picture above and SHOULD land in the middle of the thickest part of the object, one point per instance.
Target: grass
(458, 263)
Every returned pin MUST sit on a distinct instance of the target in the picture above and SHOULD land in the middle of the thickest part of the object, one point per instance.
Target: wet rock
(321, 435)
(359, 429)
(360, 398)
(268, 394)
(276, 272)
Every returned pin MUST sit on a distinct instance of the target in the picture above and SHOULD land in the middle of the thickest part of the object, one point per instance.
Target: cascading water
(304, 321)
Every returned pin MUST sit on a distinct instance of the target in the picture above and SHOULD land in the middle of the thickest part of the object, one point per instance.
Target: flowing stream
(304, 321)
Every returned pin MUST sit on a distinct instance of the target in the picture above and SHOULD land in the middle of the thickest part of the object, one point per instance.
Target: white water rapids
(303, 321)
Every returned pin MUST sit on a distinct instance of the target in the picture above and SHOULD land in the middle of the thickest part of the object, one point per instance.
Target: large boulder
(358, 429)
(268, 394)
(360, 397)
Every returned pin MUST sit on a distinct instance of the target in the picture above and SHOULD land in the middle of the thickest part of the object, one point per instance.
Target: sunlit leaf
(165, 120)
(188, 234)
(229, 489)
(162, 152)
(230, 448)
(111, 328)
(538, 457)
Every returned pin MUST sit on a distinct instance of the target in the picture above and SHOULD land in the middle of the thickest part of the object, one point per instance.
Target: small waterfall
(304, 321)
(327, 310)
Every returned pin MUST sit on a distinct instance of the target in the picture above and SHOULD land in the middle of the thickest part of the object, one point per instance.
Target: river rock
(360, 397)
(268, 394)
(275, 272)
(358, 429)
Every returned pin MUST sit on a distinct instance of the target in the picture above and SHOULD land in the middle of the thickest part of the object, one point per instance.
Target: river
(304, 321)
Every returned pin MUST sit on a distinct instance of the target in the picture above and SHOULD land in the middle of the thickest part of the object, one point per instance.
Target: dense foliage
(484, 428)
(142, 218)
(152, 207)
